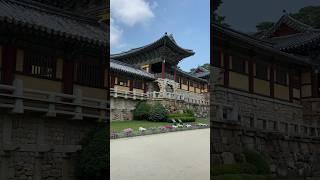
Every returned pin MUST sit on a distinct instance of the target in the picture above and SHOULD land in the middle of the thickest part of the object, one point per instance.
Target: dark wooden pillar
(188, 85)
(226, 69)
(131, 85)
(9, 55)
(251, 74)
(272, 79)
(315, 83)
(163, 69)
(112, 77)
(68, 76)
(145, 89)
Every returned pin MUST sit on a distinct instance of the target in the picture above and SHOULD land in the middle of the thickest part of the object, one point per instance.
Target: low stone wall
(257, 111)
(37, 147)
(291, 156)
(121, 108)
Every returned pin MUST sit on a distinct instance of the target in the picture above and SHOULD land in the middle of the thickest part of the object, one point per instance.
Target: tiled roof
(52, 20)
(129, 69)
(203, 74)
(261, 44)
(295, 40)
(289, 21)
(189, 75)
(166, 40)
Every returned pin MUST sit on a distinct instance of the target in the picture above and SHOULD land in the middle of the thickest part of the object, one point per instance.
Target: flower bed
(156, 130)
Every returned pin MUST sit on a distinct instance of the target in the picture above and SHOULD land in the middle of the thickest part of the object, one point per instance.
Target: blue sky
(135, 23)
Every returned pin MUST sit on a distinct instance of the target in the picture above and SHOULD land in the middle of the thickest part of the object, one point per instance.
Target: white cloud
(132, 12)
(115, 33)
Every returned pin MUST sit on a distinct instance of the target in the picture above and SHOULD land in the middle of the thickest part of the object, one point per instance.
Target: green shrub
(92, 159)
(141, 111)
(179, 115)
(240, 177)
(187, 119)
(258, 160)
(243, 168)
(158, 113)
(190, 112)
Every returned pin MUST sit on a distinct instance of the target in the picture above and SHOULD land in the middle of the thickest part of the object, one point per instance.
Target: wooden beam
(9, 56)
(226, 68)
(272, 79)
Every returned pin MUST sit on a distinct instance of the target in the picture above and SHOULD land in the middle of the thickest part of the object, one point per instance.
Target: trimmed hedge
(179, 115)
(158, 113)
(141, 111)
(187, 119)
(241, 177)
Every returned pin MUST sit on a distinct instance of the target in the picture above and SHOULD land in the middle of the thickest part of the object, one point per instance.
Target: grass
(118, 126)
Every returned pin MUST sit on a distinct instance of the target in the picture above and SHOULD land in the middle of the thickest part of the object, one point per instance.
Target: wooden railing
(114, 92)
(229, 114)
(18, 100)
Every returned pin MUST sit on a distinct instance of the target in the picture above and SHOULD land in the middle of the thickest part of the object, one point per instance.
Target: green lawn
(120, 125)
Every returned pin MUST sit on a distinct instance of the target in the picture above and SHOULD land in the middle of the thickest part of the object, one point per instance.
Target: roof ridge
(54, 10)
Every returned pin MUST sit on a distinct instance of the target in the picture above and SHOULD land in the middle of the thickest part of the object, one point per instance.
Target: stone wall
(122, 109)
(259, 112)
(36, 147)
(288, 155)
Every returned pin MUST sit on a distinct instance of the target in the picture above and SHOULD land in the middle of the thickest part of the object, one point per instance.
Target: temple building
(268, 81)
(151, 73)
(53, 84)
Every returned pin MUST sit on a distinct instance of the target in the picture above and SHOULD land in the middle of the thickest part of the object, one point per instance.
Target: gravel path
(171, 156)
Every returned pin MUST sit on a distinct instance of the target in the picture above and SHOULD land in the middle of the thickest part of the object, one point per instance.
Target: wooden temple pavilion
(160, 59)
(45, 46)
(279, 65)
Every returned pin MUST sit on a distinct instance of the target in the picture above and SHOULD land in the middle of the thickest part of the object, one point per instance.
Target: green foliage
(243, 168)
(240, 177)
(263, 26)
(141, 111)
(158, 113)
(190, 112)
(179, 115)
(258, 160)
(309, 15)
(92, 160)
(187, 119)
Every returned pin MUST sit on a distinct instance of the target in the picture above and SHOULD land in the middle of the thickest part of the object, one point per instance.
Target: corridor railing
(18, 100)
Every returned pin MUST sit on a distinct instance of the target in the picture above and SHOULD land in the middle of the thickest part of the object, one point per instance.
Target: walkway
(172, 156)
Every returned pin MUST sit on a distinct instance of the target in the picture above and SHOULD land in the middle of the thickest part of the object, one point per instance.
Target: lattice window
(238, 64)
(262, 71)
(281, 76)
(39, 65)
(89, 74)
(137, 84)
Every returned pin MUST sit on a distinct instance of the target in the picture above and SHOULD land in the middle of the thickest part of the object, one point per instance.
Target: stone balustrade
(18, 100)
(192, 98)
(229, 114)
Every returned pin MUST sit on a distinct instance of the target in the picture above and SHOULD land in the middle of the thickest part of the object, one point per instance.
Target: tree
(205, 66)
(217, 18)
(309, 15)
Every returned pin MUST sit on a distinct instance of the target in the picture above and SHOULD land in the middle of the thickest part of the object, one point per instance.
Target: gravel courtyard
(172, 156)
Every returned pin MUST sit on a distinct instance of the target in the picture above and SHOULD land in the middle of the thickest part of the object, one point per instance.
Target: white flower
(142, 129)
(188, 125)
(174, 126)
